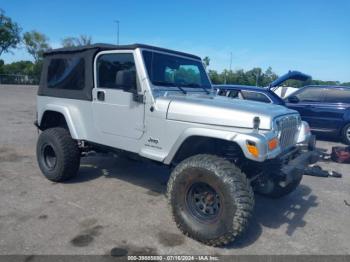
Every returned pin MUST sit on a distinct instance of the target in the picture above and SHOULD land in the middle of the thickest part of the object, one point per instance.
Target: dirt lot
(120, 203)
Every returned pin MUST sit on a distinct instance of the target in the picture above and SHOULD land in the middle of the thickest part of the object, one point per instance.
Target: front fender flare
(235, 137)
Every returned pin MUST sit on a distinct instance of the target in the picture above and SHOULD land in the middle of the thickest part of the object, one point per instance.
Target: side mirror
(293, 99)
(126, 79)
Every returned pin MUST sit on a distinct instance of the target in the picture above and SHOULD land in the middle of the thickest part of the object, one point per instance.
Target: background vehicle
(263, 94)
(252, 93)
(155, 104)
(325, 108)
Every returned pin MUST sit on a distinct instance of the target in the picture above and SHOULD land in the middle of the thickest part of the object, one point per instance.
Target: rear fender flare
(65, 112)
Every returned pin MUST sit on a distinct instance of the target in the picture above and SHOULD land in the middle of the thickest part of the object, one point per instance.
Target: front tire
(345, 134)
(58, 154)
(211, 200)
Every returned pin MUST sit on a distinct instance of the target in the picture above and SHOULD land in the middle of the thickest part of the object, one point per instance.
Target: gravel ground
(118, 203)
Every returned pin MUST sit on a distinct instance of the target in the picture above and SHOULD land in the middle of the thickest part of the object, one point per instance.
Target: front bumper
(289, 166)
(295, 167)
(309, 143)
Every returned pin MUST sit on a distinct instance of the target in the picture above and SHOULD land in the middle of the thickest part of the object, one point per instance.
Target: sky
(312, 36)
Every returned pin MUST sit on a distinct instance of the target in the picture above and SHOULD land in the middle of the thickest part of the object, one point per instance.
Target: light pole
(230, 68)
(257, 77)
(117, 22)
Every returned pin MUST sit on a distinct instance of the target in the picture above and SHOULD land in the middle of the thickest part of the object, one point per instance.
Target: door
(114, 108)
(310, 102)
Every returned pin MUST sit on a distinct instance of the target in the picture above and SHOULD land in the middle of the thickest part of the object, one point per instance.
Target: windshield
(170, 70)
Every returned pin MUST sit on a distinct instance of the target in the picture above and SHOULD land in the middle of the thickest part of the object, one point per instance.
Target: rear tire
(345, 134)
(58, 154)
(211, 200)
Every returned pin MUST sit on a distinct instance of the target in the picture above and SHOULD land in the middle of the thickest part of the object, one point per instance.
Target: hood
(296, 75)
(223, 111)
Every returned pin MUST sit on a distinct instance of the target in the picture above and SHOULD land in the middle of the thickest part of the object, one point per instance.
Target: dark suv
(325, 108)
(258, 93)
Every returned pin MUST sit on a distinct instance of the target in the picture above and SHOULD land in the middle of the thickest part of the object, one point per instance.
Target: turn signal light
(273, 143)
(252, 148)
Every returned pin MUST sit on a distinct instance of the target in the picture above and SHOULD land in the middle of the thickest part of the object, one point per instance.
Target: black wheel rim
(203, 202)
(49, 156)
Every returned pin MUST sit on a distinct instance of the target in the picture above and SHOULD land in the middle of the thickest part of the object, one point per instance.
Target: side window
(221, 92)
(116, 71)
(233, 94)
(337, 95)
(66, 73)
(311, 94)
(255, 96)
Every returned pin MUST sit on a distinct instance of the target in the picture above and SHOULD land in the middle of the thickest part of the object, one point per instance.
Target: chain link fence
(6, 79)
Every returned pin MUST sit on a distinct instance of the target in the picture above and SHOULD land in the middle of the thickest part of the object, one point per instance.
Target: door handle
(101, 95)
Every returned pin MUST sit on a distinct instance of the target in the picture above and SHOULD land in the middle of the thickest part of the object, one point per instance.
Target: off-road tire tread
(71, 154)
(239, 186)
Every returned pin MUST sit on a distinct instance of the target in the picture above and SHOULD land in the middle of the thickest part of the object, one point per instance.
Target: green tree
(206, 61)
(296, 83)
(36, 44)
(19, 68)
(253, 76)
(76, 41)
(215, 77)
(267, 77)
(238, 77)
(2, 63)
(68, 42)
(9, 33)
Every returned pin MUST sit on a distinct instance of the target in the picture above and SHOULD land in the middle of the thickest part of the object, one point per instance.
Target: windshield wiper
(164, 83)
(197, 85)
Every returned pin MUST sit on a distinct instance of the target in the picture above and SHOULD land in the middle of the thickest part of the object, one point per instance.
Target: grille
(288, 127)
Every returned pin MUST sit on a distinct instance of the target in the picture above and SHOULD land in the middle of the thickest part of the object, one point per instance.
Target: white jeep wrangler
(158, 104)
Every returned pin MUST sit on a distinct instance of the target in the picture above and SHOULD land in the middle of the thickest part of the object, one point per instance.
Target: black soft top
(103, 47)
(85, 73)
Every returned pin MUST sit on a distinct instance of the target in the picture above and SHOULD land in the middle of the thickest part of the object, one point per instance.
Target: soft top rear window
(66, 73)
